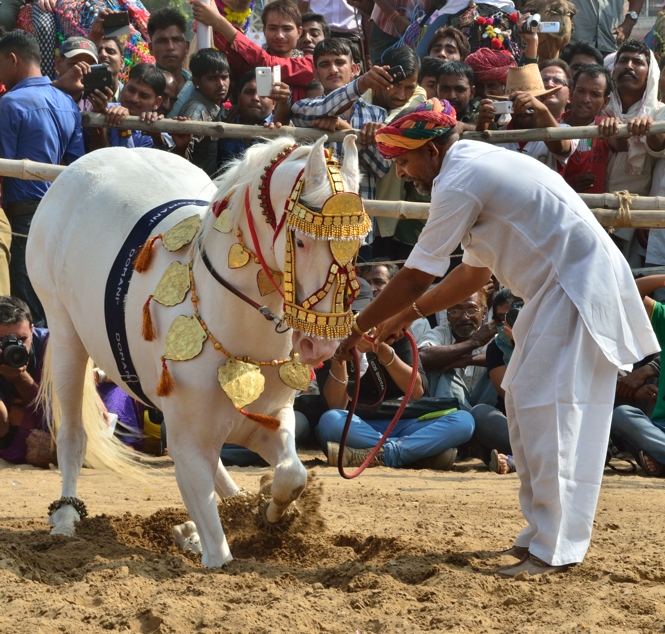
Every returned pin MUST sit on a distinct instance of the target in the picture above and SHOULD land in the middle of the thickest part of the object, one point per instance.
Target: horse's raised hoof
(186, 537)
(63, 520)
(283, 523)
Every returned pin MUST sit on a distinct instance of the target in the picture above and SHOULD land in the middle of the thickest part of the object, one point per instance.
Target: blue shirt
(40, 123)
(135, 139)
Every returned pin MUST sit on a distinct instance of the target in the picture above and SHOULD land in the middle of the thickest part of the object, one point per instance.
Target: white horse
(81, 244)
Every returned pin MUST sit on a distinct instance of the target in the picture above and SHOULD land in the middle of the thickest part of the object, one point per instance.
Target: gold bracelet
(357, 329)
(418, 311)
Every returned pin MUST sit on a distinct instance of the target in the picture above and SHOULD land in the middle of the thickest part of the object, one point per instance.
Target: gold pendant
(238, 257)
(182, 233)
(242, 382)
(224, 222)
(295, 374)
(265, 285)
(172, 288)
(185, 339)
(344, 250)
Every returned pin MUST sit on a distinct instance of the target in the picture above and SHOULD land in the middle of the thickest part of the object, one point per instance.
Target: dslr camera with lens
(13, 352)
(513, 312)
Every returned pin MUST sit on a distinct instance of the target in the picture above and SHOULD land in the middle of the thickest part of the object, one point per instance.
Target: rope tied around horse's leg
(626, 199)
(393, 422)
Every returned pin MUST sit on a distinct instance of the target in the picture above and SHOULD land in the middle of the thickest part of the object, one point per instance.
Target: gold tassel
(270, 423)
(144, 258)
(147, 328)
(165, 386)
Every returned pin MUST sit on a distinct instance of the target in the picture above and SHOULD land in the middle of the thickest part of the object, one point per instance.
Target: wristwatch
(633, 15)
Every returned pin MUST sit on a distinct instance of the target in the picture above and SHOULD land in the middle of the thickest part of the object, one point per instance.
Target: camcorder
(513, 312)
(13, 352)
(535, 25)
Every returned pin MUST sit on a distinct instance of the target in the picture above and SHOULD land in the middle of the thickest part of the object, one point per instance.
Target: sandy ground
(393, 551)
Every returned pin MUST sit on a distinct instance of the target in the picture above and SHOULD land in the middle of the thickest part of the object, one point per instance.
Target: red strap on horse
(354, 403)
(257, 244)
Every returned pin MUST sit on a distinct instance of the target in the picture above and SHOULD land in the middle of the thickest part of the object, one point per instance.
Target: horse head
(561, 11)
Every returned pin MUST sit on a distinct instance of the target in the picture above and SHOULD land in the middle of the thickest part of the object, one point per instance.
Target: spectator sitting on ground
(19, 386)
(210, 76)
(169, 47)
(581, 54)
(429, 68)
(453, 353)
(282, 25)
(40, 123)
(555, 72)
(491, 425)
(140, 97)
(314, 30)
(342, 107)
(449, 44)
(529, 112)
(632, 430)
(454, 83)
(586, 168)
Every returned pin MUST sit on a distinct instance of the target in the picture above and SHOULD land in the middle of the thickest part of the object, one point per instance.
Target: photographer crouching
(22, 348)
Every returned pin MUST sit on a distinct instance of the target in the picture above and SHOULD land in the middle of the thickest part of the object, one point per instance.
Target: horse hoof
(63, 520)
(283, 523)
(186, 537)
(67, 531)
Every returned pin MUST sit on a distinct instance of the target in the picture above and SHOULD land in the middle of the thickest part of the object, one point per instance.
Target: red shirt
(244, 55)
(591, 156)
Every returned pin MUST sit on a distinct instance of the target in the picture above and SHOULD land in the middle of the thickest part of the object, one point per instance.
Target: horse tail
(103, 450)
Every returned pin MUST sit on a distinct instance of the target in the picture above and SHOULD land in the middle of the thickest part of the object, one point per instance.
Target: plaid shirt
(372, 164)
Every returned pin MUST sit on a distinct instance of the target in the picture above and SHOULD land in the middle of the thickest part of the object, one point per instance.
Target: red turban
(490, 65)
(430, 120)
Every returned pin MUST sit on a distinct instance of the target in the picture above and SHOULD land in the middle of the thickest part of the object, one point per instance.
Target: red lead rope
(354, 403)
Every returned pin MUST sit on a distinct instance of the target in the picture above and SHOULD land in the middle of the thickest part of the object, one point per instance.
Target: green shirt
(658, 323)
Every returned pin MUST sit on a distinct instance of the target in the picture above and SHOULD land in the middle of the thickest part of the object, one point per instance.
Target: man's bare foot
(501, 463)
(651, 466)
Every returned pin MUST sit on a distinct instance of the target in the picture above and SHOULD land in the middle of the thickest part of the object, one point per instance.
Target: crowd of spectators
(355, 64)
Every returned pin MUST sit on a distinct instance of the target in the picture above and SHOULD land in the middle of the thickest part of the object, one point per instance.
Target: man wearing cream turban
(583, 316)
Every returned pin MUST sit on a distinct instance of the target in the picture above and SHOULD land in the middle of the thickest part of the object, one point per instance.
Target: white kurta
(583, 318)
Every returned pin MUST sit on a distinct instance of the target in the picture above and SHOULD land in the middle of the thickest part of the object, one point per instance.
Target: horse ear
(350, 171)
(316, 172)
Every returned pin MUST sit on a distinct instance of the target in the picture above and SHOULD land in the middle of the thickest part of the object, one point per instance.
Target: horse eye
(300, 244)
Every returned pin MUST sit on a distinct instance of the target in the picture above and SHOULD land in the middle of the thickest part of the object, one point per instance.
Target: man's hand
(623, 31)
(484, 334)
(639, 126)
(486, 114)
(344, 351)
(115, 115)
(150, 117)
(96, 32)
(647, 392)
(523, 101)
(376, 78)
(331, 124)
(280, 92)
(391, 329)
(609, 127)
(20, 379)
(368, 133)
(48, 6)
(100, 100)
(181, 141)
(530, 39)
(583, 182)
(207, 14)
(72, 81)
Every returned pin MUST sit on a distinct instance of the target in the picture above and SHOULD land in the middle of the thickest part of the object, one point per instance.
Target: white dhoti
(559, 400)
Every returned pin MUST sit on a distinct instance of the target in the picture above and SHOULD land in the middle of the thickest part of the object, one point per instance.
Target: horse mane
(246, 172)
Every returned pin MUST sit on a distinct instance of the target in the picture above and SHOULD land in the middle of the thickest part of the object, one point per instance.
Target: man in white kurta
(583, 316)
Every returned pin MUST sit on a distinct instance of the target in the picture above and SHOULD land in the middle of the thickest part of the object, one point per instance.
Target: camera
(99, 77)
(116, 24)
(535, 25)
(513, 312)
(13, 352)
(397, 73)
(503, 107)
(265, 78)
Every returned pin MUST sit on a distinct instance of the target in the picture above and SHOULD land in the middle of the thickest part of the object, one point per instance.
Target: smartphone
(503, 107)
(263, 81)
(276, 74)
(116, 24)
(397, 73)
(99, 77)
(550, 27)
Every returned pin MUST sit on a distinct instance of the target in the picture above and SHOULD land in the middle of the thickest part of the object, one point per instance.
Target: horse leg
(69, 359)
(224, 484)
(196, 457)
(279, 450)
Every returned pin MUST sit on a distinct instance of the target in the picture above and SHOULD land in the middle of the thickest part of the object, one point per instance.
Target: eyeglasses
(557, 81)
(458, 312)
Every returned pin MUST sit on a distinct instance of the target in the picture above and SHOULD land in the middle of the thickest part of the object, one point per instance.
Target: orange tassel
(147, 328)
(165, 386)
(144, 258)
(270, 423)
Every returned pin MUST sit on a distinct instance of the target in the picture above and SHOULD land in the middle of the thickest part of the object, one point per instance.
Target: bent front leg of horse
(196, 456)
(69, 359)
(279, 450)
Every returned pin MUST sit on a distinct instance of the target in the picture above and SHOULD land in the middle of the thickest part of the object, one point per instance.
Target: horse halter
(343, 222)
